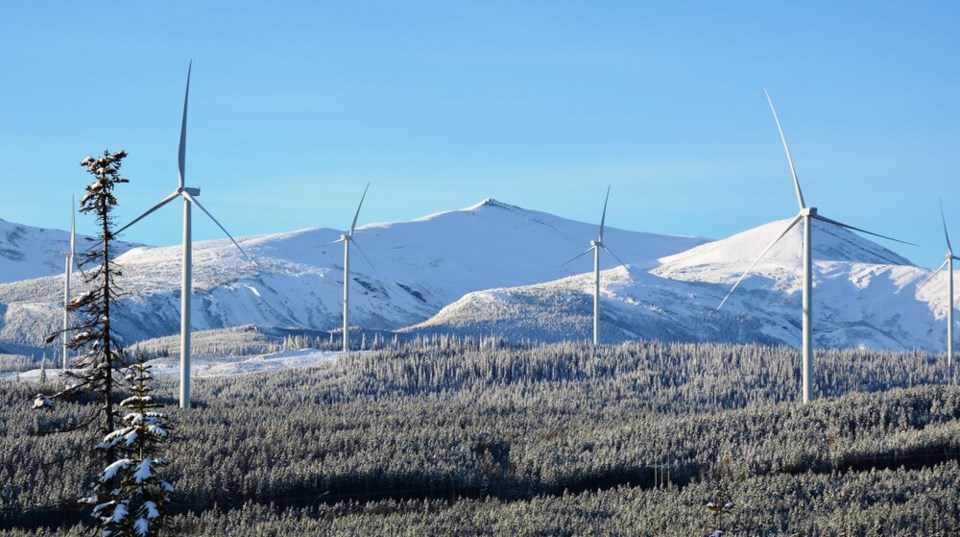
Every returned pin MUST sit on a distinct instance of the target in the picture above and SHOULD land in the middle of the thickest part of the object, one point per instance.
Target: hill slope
(864, 295)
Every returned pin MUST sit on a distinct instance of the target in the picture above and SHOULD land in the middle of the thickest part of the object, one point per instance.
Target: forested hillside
(444, 437)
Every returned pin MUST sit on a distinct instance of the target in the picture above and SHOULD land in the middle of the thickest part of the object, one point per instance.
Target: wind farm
(444, 289)
(746, 354)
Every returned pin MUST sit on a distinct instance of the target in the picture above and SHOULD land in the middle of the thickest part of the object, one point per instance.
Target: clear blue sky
(441, 104)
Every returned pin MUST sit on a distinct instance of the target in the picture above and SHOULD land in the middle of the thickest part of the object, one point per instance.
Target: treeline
(250, 340)
(479, 418)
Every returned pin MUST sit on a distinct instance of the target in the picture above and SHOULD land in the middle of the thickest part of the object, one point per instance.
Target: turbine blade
(786, 148)
(604, 217)
(165, 201)
(945, 235)
(841, 224)
(609, 251)
(932, 276)
(578, 256)
(364, 254)
(355, 215)
(182, 156)
(194, 201)
(759, 257)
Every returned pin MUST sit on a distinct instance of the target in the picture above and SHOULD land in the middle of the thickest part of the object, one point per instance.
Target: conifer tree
(103, 356)
(130, 492)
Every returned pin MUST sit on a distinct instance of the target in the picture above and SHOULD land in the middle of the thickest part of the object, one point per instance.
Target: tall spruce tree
(103, 356)
(127, 494)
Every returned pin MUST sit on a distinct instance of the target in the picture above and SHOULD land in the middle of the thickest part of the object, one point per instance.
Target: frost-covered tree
(98, 370)
(718, 508)
(103, 356)
(130, 492)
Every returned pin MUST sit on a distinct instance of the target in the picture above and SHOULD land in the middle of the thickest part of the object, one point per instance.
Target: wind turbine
(67, 272)
(949, 264)
(806, 215)
(346, 239)
(595, 247)
(189, 196)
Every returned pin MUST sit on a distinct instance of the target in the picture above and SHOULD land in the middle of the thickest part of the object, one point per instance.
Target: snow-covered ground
(215, 366)
(219, 366)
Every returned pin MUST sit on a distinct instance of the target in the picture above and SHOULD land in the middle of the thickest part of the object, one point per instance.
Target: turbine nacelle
(596, 244)
(188, 190)
(344, 238)
(808, 211)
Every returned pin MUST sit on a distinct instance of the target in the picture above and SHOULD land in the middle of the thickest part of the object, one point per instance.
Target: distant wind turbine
(807, 215)
(949, 264)
(67, 272)
(595, 247)
(189, 196)
(346, 239)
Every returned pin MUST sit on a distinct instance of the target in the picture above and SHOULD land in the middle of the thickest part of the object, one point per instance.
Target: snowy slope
(864, 295)
(735, 254)
(31, 252)
(415, 268)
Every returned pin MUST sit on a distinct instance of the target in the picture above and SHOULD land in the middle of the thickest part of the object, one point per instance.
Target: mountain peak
(490, 202)
(829, 242)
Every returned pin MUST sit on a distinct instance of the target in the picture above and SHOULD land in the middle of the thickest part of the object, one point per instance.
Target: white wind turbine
(346, 239)
(949, 264)
(807, 215)
(189, 196)
(67, 272)
(595, 247)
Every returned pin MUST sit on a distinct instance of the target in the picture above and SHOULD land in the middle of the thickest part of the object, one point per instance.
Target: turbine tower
(346, 239)
(189, 196)
(67, 272)
(949, 264)
(806, 215)
(595, 247)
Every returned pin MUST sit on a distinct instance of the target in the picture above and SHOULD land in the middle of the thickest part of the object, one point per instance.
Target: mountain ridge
(498, 269)
(404, 274)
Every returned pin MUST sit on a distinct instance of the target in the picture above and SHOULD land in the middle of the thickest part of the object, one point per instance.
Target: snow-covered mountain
(411, 271)
(864, 295)
(497, 269)
(32, 252)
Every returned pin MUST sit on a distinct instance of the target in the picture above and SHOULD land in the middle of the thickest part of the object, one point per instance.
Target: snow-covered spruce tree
(103, 356)
(99, 368)
(130, 493)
